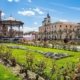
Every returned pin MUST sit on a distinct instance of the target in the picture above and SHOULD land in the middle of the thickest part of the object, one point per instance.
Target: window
(66, 26)
(52, 26)
(70, 37)
(60, 25)
(55, 37)
(70, 26)
(55, 26)
(48, 21)
(60, 36)
(73, 29)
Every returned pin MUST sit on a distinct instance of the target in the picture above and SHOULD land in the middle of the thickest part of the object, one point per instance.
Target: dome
(11, 18)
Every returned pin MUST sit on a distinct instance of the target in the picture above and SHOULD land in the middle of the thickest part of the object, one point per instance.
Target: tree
(66, 40)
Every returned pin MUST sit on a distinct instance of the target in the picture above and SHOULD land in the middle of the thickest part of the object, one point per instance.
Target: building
(78, 31)
(30, 36)
(57, 30)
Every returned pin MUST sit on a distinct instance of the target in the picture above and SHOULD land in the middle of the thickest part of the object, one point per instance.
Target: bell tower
(48, 19)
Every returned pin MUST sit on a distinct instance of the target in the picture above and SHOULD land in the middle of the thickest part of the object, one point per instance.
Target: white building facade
(58, 30)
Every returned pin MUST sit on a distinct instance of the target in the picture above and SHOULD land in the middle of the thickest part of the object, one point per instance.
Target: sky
(32, 12)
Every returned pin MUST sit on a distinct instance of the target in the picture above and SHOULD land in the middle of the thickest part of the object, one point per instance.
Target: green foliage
(41, 66)
(29, 61)
(36, 61)
(6, 74)
(5, 52)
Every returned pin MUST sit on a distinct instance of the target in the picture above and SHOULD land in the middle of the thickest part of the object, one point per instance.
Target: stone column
(22, 32)
(19, 31)
(11, 32)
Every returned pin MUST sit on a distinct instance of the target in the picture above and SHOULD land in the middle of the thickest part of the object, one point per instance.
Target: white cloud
(75, 8)
(63, 20)
(3, 14)
(26, 13)
(35, 23)
(13, 0)
(66, 6)
(29, 1)
(27, 29)
(10, 0)
(16, 0)
(38, 11)
(30, 12)
(58, 4)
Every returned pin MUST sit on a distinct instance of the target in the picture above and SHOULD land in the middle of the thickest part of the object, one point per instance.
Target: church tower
(48, 19)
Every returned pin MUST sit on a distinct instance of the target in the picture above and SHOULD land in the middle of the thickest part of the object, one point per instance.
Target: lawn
(20, 56)
(74, 58)
(6, 74)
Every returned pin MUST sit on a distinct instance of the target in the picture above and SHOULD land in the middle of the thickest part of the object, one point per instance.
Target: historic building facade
(78, 31)
(58, 30)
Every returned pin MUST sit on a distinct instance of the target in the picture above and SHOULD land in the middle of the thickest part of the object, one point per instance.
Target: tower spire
(48, 15)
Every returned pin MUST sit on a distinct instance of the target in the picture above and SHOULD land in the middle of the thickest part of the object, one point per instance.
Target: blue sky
(32, 12)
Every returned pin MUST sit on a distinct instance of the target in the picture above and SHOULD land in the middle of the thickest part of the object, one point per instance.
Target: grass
(21, 54)
(6, 74)
(61, 62)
